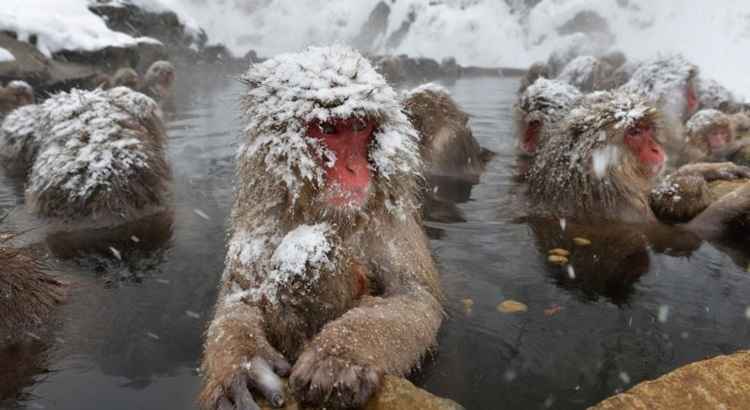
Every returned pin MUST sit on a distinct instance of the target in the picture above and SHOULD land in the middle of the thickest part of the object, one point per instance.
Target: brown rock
(396, 394)
(719, 383)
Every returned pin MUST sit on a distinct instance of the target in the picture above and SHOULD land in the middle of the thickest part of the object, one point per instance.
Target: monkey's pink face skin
(650, 154)
(717, 138)
(348, 180)
(530, 137)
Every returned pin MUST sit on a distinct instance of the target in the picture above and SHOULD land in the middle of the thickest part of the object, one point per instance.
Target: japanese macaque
(126, 77)
(587, 74)
(91, 154)
(159, 80)
(710, 136)
(741, 124)
(535, 71)
(539, 110)
(101, 80)
(28, 296)
(448, 146)
(14, 95)
(328, 267)
(670, 83)
(713, 95)
(603, 163)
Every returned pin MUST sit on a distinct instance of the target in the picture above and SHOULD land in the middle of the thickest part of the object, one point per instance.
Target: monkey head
(161, 75)
(669, 81)
(22, 91)
(326, 131)
(543, 104)
(710, 130)
(126, 77)
(604, 159)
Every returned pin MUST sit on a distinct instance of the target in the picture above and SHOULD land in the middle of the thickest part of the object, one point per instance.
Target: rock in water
(719, 383)
(396, 394)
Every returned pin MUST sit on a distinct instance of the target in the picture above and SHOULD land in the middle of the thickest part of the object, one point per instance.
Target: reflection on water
(633, 309)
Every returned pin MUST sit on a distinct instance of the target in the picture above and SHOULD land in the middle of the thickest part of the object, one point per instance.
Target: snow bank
(6, 56)
(70, 25)
(487, 32)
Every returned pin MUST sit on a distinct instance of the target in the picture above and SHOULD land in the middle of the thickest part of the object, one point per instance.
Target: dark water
(131, 336)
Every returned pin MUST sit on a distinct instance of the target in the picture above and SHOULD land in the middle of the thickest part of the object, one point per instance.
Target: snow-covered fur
(664, 81)
(288, 92)
(101, 154)
(712, 94)
(299, 270)
(704, 120)
(582, 172)
(586, 73)
(19, 143)
(545, 101)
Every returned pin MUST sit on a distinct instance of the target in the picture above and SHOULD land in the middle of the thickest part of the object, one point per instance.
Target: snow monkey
(710, 133)
(126, 77)
(669, 82)
(539, 109)
(91, 154)
(535, 71)
(448, 146)
(159, 80)
(587, 74)
(327, 265)
(15, 94)
(602, 165)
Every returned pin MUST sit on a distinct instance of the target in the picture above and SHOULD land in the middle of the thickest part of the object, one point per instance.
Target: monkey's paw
(234, 393)
(321, 378)
(715, 171)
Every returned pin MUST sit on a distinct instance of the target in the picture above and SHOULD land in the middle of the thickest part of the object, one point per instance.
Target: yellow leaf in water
(512, 306)
(557, 259)
(559, 252)
(581, 241)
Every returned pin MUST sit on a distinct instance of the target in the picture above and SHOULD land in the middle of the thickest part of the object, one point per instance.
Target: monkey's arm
(712, 171)
(713, 221)
(386, 334)
(237, 355)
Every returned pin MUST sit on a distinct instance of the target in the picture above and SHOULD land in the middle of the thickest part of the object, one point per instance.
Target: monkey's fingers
(265, 380)
(243, 399)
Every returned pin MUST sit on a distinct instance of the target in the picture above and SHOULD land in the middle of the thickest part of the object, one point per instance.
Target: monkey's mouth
(528, 141)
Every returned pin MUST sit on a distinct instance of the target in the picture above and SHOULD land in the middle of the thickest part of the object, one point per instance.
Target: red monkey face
(530, 137)
(348, 180)
(717, 138)
(641, 142)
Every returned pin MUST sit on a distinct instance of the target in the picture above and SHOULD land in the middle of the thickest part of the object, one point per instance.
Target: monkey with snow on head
(536, 71)
(126, 77)
(539, 110)
(328, 266)
(710, 136)
(668, 82)
(587, 73)
(91, 154)
(603, 163)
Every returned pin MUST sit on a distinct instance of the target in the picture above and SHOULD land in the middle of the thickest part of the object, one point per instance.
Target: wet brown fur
(376, 313)
(448, 146)
(12, 98)
(28, 295)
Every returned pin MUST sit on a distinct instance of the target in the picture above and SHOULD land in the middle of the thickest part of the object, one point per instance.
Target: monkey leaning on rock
(328, 266)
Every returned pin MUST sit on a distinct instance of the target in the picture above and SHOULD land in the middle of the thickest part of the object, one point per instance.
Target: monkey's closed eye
(327, 128)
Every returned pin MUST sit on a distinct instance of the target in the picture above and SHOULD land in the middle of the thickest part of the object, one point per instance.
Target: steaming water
(131, 336)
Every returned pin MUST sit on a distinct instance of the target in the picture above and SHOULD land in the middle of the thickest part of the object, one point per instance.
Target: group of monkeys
(329, 279)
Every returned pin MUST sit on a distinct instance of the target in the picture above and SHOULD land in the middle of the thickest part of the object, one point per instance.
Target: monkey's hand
(238, 358)
(714, 171)
(345, 363)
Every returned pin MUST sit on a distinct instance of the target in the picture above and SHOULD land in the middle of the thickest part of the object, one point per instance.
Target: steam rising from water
(715, 35)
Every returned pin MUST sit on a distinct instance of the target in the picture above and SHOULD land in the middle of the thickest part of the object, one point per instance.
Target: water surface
(131, 336)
